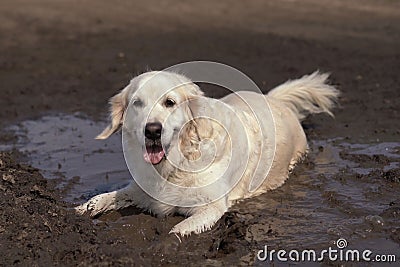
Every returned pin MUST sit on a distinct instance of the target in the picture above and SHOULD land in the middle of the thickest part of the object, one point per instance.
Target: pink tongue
(153, 154)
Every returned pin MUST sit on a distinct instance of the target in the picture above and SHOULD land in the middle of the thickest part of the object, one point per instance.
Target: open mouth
(154, 151)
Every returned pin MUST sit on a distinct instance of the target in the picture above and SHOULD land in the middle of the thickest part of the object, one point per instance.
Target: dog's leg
(115, 200)
(201, 219)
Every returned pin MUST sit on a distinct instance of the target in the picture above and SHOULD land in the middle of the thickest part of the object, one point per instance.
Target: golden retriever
(197, 156)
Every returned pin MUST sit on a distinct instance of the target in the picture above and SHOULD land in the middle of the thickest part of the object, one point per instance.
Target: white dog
(185, 162)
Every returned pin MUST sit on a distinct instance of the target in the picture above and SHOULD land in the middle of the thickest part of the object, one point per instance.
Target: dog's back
(289, 103)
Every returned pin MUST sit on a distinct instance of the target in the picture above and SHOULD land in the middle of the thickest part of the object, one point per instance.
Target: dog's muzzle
(154, 151)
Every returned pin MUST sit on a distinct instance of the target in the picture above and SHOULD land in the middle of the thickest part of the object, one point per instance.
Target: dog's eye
(137, 103)
(169, 102)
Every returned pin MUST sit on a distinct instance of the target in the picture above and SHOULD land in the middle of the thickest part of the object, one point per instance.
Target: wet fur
(290, 103)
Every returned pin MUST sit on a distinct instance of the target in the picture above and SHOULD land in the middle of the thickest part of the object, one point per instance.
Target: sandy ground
(69, 56)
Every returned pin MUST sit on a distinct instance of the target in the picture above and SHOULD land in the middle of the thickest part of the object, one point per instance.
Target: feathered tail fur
(308, 95)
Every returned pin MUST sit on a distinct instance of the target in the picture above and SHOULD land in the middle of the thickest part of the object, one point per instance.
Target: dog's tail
(308, 95)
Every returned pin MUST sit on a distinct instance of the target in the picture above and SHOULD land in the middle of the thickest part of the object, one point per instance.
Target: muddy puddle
(342, 190)
(64, 148)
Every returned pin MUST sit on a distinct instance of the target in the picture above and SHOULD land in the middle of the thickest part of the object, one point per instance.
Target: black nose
(153, 130)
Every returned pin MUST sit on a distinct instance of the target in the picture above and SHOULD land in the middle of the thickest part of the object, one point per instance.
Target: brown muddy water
(342, 190)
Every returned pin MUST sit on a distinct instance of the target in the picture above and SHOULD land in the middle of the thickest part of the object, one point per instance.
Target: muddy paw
(191, 225)
(81, 209)
(180, 230)
(97, 205)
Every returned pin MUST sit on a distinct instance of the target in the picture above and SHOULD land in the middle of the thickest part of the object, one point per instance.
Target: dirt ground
(71, 56)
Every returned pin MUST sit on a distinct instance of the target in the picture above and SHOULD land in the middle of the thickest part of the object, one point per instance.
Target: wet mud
(342, 190)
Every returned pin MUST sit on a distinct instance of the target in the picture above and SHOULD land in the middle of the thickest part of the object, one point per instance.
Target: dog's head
(154, 108)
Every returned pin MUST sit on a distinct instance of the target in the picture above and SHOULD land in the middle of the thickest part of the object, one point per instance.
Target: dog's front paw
(97, 205)
(180, 229)
(190, 225)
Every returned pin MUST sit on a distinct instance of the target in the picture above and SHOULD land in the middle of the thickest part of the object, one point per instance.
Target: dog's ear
(200, 126)
(190, 136)
(118, 105)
